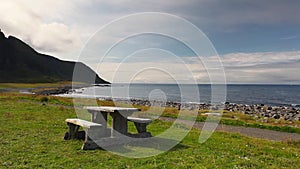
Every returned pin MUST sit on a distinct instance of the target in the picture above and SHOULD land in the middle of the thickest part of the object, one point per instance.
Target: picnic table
(119, 118)
(97, 129)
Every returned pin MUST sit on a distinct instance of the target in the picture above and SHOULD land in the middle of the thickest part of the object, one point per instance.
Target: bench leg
(74, 133)
(142, 129)
(89, 145)
(92, 134)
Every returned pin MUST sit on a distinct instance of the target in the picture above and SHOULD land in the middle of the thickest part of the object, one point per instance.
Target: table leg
(119, 124)
(101, 118)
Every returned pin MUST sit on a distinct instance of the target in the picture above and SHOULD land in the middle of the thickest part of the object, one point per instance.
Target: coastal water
(244, 94)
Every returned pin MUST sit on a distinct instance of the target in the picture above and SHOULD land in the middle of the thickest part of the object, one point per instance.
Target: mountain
(19, 63)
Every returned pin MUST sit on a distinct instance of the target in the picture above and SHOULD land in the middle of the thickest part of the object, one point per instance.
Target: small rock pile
(288, 113)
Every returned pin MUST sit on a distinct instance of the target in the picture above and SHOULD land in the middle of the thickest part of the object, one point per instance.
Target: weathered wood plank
(83, 123)
(111, 109)
(139, 120)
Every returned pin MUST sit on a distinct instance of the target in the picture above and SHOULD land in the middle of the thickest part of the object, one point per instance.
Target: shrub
(44, 99)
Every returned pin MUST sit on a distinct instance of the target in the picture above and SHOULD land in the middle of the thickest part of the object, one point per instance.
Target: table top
(111, 109)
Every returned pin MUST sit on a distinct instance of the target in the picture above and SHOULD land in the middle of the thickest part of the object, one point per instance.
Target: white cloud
(55, 37)
(75, 21)
(290, 37)
(150, 72)
(270, 67)
(25, 23)
(252, 59)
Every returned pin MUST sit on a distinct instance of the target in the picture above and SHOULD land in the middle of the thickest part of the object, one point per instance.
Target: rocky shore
(53, 91)
(288, 113)
(261, 111)
(65, 89)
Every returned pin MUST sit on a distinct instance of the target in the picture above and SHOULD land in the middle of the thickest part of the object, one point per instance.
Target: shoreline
(288, 113)
(259, 111)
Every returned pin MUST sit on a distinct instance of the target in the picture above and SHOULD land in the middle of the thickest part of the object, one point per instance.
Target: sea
(273, 95)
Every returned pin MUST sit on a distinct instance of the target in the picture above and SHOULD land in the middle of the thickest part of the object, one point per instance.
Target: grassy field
(32, 137)
(32, 85)
(36, 87)
(229, 118)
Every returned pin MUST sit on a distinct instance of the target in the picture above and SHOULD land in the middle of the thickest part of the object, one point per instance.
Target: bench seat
(139, 120)
(141, 125)
(92, 130)
(95, 132)
(83, 123)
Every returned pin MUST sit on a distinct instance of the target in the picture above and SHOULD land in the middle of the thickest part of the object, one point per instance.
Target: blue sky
(257, 40)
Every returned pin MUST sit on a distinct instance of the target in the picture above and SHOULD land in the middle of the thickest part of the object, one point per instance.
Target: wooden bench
(92, 130)
(141, 125)
(96, 134)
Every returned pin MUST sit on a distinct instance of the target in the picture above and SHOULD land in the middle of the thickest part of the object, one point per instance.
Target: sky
(249, 41)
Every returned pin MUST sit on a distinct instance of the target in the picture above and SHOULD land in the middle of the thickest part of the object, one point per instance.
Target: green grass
(32, 137)
(238, 120)
(32, 85)
(288, 129)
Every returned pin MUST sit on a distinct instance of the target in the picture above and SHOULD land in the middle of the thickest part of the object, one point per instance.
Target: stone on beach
(263, 111)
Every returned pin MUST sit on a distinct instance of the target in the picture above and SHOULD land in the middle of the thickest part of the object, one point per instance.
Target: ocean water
(278, 95)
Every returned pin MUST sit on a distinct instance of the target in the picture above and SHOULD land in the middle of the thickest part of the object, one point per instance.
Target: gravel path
(247, 131)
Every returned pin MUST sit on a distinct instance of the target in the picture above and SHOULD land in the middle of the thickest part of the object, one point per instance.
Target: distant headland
(22, 64)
